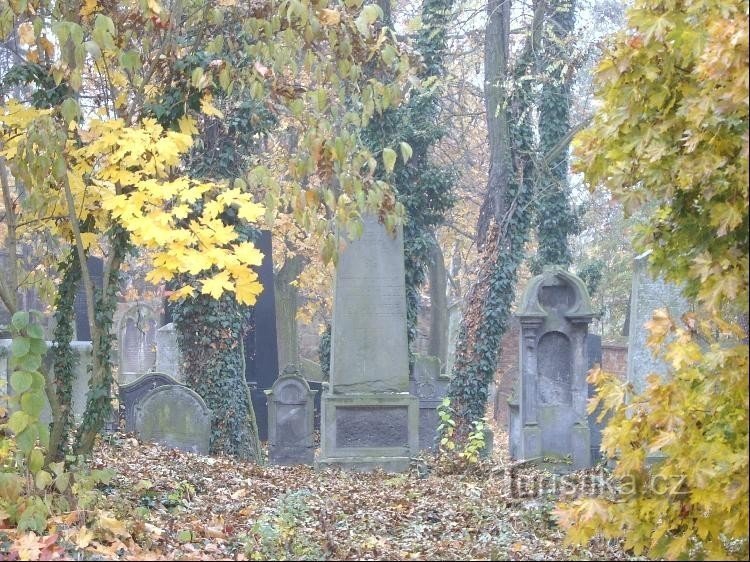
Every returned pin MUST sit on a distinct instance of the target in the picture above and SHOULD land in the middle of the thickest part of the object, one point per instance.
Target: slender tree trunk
(286, 310)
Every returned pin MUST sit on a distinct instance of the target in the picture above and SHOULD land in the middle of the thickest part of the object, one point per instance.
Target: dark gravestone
(290, 416)
(430, 387)
(317, 388)
(261, 354)
(96, 270)
(594, 357)
(130, 394)
(175, 416)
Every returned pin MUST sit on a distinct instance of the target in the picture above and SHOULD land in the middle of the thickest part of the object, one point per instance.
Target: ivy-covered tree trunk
(63, 358)
(101, 315)
(555, 218)
(209, 335)
(504, 218)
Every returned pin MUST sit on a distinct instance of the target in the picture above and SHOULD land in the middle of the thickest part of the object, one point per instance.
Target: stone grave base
(366, 431)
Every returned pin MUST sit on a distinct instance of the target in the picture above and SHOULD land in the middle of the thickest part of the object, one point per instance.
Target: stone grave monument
(80, 313)
(430, 386)
(168, 358)
(175, 416)
(553, 427)
(131, 394)
(137, 337)
(368, 418)
(648, 294)
(261, 352)
(290, 420)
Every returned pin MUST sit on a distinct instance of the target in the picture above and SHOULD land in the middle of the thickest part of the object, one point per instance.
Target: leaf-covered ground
(167, 504)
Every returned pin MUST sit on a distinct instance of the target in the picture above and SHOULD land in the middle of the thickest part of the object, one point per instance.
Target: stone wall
(615, 359)
(506, 374)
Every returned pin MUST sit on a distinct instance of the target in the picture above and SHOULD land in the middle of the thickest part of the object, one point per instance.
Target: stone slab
(131, 394)
(368, 343)
(174, 416)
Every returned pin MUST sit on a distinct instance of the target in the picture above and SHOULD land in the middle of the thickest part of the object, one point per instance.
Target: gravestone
(80, 315)
(290, 420)
(168, 359)
(430, 387)
(648, 294)
(261, 355)
(369, 419)
(131, 394)
(137, 337)
(175, 416)
(553, 428)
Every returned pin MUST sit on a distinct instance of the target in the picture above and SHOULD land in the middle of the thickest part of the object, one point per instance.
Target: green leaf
(32, 403)
(36, 461)
(130, 60)
(35, 331)
(20, 346)
(389, 159)
(20, 320)
(21, 381)
(69, 110)
(18, 422)
(42, 479)
(26, 440)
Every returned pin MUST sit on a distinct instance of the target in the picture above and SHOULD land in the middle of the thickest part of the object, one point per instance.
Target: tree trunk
(286, 310)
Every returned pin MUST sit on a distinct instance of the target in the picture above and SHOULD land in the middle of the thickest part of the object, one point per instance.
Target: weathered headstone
(261, 355)
(290, 420)
(137, 336)
(168, 359)
(131, 394)
(175, 416)
(648, 294)
(555, 313)
(369, 419)
(430, 387)
(80, 315)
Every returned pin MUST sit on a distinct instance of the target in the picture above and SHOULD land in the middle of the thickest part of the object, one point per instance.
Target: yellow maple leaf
(247, 290)
(251, 212)
(187, 125)
(182, 292)
(248, 254)
(208, 108)
(217, 285)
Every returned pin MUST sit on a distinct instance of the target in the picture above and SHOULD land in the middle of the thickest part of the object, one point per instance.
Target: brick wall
(506, 374)
(615, 358)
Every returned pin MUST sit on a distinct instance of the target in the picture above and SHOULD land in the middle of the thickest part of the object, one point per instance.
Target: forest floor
(166, 504)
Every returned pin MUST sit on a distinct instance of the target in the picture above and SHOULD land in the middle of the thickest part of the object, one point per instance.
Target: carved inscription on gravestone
(554, 363)
(137, 342)
(383, 426)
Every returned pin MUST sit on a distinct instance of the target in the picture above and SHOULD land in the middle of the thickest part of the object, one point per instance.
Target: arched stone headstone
(290, 420)
(554, 314)
(175, 416)
(137, 337)
(131, 394)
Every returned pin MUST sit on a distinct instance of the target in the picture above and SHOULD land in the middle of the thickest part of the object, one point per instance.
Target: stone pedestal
(369, 419)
